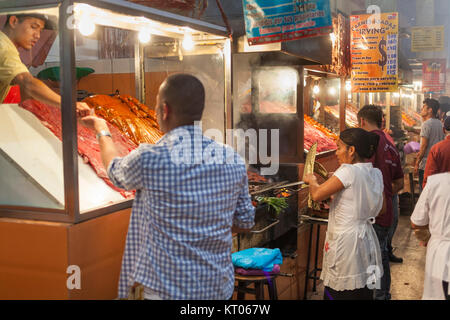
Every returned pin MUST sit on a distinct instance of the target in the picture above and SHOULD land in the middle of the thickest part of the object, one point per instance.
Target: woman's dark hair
(365, 142)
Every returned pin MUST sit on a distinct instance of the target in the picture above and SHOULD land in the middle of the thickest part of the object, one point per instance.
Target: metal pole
(68, 113)
(300, 115)
(342, 105)
(228, 85)
(316, 257)
(139, 70)
(308, 261)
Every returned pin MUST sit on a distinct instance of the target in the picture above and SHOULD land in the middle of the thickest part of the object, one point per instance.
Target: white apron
(352, 258)
(437, 268)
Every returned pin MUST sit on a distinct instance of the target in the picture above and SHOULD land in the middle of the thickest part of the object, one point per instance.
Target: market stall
(269, 94)
(58, 210)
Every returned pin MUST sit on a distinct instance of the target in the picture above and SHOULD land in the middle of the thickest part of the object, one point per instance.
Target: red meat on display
(313, 135)
(88, 146)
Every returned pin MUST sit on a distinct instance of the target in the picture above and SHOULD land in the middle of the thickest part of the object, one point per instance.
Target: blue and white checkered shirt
(190, 190)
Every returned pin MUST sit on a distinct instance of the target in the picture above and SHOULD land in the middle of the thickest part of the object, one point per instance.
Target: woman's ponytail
(365, 143)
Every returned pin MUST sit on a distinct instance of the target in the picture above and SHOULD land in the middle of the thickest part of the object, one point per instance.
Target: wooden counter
(35, 256)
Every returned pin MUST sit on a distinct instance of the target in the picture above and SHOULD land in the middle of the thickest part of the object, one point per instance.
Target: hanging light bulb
(144, 36)
(86, 27)
(333, 38)
(348, 85)
(316, 89)
(188, 43)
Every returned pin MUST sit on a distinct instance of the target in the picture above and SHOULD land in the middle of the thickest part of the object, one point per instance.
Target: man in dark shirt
(386, 159)
(439, 157)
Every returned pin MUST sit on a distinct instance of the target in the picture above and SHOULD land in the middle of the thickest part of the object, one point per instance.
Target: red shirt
(387, 160)
(438, 160)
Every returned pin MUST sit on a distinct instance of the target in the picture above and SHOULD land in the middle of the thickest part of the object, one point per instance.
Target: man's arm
(108, 150)
(431, 166)
(325, 190)
(398, 185)
(412, 129)
(30, 87)
(421, 154)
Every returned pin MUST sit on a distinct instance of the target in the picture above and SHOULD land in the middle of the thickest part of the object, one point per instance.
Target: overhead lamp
(332, 91)
(188, 43)
(144, 36)
(86, 27)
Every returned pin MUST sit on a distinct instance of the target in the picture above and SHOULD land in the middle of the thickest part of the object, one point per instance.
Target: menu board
(268, 21)
(427, 38)
(374, 52)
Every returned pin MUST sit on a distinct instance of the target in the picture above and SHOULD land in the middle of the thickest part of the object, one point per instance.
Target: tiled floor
(407, 277)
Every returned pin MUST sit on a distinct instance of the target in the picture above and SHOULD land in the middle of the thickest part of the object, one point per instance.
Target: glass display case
(321, 110)
(50, 166)
(266, 97)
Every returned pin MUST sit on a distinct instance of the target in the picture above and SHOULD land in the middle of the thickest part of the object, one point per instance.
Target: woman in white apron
(352, 262)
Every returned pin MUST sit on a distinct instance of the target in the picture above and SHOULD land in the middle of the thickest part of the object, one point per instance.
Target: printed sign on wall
(374, 52)
(268, 21)
(433, 75)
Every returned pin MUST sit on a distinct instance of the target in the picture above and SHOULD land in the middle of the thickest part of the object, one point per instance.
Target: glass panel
(31, 166)
(277, 90)
(165, 56)
(113, 55)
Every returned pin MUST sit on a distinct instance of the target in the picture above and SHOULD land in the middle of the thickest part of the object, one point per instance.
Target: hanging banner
(427, 38)
(268, 21)
(433, 75)
(374, 52)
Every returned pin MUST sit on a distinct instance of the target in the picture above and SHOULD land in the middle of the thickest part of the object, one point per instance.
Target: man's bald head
(185, 95)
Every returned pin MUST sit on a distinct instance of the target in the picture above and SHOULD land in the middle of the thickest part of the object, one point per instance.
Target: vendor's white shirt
(433, 209)
(352, 256)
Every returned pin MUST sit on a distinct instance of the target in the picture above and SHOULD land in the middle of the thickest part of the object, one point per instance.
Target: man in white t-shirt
(433, 212)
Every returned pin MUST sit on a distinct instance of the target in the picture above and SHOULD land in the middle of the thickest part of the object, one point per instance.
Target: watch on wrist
(103, 133)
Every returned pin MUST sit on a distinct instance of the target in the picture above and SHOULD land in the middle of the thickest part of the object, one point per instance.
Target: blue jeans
(394, 225)
(421, 174)
(383, 235)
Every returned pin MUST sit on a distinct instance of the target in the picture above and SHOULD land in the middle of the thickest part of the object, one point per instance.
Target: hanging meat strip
(130, 116)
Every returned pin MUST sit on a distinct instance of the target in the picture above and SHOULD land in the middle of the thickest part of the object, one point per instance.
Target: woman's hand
(310, 178)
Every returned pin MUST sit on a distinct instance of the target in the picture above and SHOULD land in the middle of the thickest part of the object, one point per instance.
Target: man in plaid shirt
(190, 192)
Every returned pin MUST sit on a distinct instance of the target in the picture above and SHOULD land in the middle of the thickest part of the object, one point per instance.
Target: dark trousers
(445, 287)
(385, 286)
(394, 225)
(421, 174)
(357, 294)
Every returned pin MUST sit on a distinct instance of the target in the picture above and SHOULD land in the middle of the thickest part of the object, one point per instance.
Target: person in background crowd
(351, 245)
(395, 204)
(439, 157)
(430, 134)
(23, 31)
(387, 159)
(432, 212)
(179, 238)
(443, 110)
